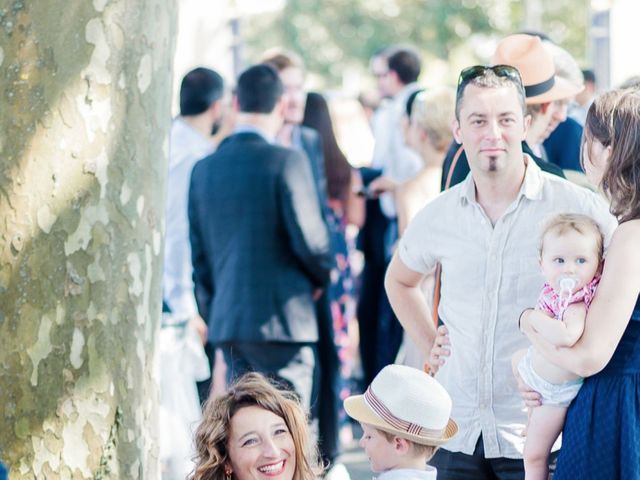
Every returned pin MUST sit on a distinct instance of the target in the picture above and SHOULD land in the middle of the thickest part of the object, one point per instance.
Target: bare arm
(563, 333)
(354, 204)
(610, 310)
(409, 304)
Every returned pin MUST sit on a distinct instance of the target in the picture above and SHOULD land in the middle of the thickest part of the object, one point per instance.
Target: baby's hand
(440, 350)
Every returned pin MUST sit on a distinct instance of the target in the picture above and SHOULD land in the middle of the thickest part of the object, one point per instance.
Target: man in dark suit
(260, 247)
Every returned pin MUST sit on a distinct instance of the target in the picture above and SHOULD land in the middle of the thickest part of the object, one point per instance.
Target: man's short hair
(259, 89)
(589, 75)
(281, 59)
(199, 89)
(488, 79)
(405, 61)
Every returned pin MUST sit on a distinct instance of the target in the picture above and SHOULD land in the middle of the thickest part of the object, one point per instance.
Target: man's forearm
(412, 310)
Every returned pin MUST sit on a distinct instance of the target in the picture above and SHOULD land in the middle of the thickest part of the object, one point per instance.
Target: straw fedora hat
(406, 402)
(535, 64)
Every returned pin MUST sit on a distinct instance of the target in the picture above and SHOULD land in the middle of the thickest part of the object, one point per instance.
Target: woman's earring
(227, 474)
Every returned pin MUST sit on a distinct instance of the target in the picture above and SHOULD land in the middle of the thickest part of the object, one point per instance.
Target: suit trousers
(292, 365)
(460, 466)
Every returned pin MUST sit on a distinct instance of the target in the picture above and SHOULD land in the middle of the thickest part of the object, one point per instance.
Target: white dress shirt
(186, 147)
(489, 275)
(398, 162)
(429, 473)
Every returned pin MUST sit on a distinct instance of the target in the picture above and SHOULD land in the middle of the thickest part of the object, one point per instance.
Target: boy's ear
(401, 445)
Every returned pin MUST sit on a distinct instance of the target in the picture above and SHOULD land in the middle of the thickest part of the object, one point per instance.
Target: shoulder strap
(436, 287)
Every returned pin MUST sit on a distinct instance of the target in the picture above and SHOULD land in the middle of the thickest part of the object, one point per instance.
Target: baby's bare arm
(561, 333)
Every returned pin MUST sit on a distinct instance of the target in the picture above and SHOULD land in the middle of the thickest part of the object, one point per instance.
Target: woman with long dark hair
(344, 207)
(602, 428)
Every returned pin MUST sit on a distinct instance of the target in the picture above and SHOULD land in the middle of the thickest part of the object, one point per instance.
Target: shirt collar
(429, 473)
(531, 186)
(253, 129)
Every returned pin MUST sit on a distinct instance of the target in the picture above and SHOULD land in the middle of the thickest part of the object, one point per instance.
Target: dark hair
(409, 105)
(198, 90)
(337, 168)
(252, 389)
(614, 120)
(405, 61)
(589, 76)
(489, 79)
(259, 89)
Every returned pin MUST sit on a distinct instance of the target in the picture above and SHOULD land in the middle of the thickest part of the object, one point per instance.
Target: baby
(571, 251)
(405, 416)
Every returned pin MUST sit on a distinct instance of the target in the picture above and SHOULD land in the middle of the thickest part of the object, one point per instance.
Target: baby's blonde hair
(566, 222)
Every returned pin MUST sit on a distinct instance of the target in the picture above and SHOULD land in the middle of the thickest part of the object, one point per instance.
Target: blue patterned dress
(601, 436)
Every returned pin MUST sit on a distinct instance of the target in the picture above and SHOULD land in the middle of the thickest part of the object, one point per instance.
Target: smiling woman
(254, 431)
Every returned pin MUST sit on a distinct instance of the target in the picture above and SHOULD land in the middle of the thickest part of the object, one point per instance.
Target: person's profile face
(557, 115)
(491, 127)
(595, 158)
(379, 450)
(293, 82)
(260, 446)
(380, 71)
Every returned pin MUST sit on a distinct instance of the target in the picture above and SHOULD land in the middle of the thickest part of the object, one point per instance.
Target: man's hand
(381, 185)
(199, 325)
(440, 350)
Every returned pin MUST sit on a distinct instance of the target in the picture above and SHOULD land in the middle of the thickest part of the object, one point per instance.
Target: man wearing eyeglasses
(484, 234)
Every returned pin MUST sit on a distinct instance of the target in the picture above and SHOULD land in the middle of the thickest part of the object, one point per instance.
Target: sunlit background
(337, 37)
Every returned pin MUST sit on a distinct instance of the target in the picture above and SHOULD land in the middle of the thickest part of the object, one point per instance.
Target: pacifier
(567, 284)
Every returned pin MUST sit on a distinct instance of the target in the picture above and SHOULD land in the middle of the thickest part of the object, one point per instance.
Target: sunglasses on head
(507, 71)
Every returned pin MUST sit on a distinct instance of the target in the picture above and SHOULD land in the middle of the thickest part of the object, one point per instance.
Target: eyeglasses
(506, 71)
(380, 74)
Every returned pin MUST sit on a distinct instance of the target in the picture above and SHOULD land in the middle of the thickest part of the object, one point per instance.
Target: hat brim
(561, 89)
(357, 408)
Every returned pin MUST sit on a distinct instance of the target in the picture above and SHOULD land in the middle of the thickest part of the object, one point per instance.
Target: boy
(405, 416)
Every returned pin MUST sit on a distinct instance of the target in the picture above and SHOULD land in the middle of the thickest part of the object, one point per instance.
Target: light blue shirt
(186, 147)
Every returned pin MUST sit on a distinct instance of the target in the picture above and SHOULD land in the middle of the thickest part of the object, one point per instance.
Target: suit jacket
(259, 243)
(311, 143)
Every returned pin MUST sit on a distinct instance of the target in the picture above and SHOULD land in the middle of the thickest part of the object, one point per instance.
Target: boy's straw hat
(536, 67)
(406, 402)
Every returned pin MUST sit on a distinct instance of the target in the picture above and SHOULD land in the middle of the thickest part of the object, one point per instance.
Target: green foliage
(332, 34)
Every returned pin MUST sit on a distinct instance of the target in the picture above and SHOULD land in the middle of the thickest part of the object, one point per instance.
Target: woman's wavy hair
(614, 120)
(252, 389)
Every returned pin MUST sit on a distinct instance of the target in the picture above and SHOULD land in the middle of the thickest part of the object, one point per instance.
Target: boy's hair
(419, 449)
(565, 222)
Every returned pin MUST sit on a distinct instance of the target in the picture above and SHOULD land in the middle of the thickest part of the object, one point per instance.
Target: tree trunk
(84, 116)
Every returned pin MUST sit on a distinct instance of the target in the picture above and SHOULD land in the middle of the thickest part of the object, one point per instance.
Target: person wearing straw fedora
(480, 233)
(547, 96)
(405, 416)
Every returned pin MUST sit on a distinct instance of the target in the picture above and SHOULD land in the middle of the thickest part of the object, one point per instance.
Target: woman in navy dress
(601, 436)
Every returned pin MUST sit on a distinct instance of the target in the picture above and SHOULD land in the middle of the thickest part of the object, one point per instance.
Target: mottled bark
(84, 118)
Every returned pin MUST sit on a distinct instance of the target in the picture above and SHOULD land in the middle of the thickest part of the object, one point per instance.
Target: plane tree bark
(85, 109)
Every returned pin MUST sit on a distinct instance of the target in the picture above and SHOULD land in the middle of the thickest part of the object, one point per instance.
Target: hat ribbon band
(383, 412)
(539, 88)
